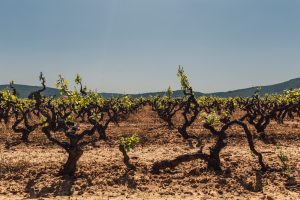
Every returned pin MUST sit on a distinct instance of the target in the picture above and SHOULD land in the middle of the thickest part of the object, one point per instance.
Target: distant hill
(269, 89)
(176, 93)
(25, 90)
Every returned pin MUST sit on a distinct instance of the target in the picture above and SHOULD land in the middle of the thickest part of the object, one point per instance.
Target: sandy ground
(30, 171)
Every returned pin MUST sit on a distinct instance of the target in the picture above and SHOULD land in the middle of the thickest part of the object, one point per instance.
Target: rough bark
(70, 166)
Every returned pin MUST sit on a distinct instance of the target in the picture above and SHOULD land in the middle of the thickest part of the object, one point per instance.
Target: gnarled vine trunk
(214, 161)
(70, 166)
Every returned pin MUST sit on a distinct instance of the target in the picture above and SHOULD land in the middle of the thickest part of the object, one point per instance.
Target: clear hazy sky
(136, 45)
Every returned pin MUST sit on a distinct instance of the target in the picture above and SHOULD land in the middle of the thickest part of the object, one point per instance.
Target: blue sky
(136, 46)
